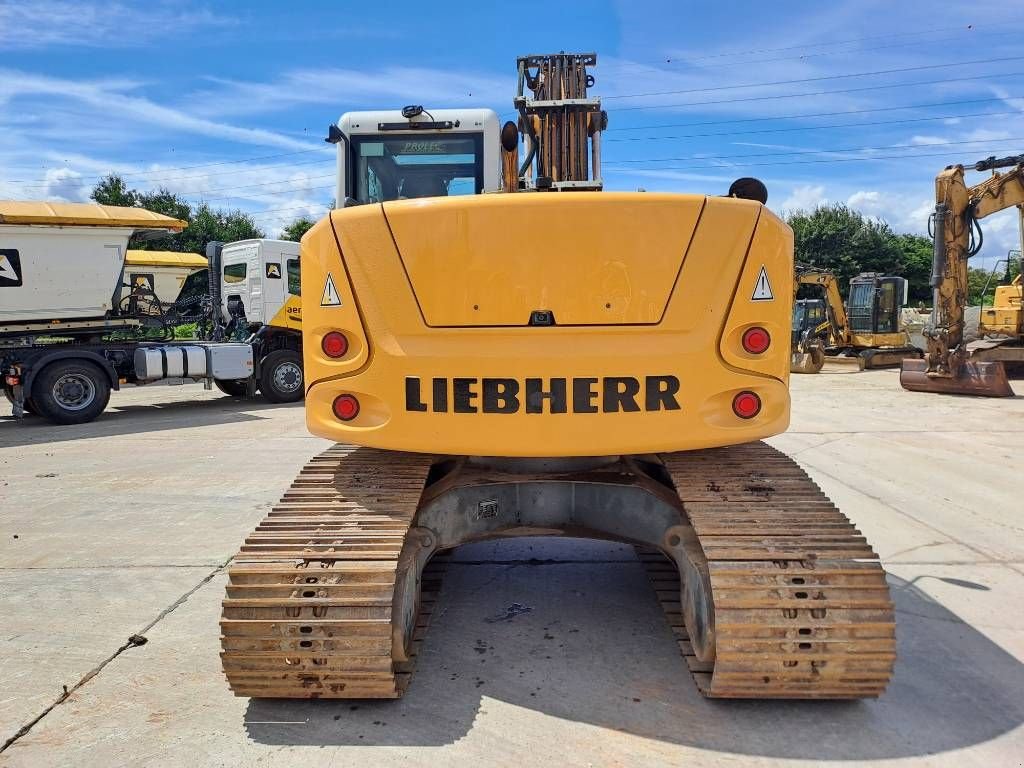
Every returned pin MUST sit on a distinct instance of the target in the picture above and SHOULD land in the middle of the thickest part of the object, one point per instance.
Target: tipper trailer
(68, 330)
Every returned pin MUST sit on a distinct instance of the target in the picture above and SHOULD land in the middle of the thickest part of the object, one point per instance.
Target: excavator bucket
(845, 363)
(986, 379)
(805, 362)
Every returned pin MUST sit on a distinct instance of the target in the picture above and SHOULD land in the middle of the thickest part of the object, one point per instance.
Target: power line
(194, 176)
(183, 167)
(820, 54)
(820, 45)
(821, 78)
(775, 97)
(807, 115)
(262, 214)
(302, 188)
(206, 195)
(819, 127)
(788, 162)
(695, 61)
(824, 151)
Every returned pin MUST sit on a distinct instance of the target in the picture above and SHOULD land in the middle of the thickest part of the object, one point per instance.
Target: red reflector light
(746, 405)
(12, 380)
(756, 340)
(346, 407)
(334, 344)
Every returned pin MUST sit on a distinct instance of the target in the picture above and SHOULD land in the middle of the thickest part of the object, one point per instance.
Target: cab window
(399, 167)
(234, 273)
(294, 284)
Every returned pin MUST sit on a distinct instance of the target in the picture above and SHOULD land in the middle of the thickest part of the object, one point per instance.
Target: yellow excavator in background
(551, 360)
(952, 365)
(865, 332)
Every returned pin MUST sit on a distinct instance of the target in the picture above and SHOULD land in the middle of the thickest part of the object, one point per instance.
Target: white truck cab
(260, 282)
(414, 152)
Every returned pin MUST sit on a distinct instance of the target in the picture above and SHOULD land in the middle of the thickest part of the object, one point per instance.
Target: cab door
(274, 283)
(889, 300)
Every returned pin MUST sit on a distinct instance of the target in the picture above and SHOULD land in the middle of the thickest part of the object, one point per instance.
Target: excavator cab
(874, 304)
(809, 335)
(809, 317)
(388, 155)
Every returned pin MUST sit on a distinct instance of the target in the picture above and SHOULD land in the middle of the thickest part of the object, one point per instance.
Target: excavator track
(323, 599)
(801, 605)
(308, 612)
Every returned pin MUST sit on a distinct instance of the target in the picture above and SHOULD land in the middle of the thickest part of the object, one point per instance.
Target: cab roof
(165, 259)
(41, 213)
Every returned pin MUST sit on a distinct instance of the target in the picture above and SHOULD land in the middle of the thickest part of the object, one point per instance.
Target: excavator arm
(947, 366)
(839, 324)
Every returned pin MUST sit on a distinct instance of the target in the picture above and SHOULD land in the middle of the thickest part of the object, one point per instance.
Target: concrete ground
(124, 527)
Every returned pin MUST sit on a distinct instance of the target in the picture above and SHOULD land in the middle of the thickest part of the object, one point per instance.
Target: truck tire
(281, 378)
(70, 392)
(233, 387)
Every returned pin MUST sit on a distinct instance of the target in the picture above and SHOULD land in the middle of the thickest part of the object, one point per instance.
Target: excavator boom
(948, 367)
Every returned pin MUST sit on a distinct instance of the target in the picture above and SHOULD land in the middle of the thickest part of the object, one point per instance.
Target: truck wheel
(281, 376)
(233, 387)
(70, 392)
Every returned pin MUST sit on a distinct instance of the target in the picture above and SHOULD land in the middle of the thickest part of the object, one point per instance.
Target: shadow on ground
(619, 669)
(135, 419)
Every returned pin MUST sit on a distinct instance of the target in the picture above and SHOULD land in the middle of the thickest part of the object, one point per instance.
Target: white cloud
(47, 23)
(903, 212)
(803, 197)
(65, 184)
(926, 140)
(1002, 93)
(109, 102)
(988, 134)
(864, 200)
(392, 86)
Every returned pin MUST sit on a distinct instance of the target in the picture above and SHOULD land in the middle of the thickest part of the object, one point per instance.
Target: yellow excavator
(549, 360)
(951, 364)
(865, 332)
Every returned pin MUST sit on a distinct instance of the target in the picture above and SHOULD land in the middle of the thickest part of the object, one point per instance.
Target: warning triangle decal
(330, 297)
(762, 288)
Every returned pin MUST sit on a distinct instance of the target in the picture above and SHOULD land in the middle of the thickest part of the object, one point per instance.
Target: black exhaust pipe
(213, 262)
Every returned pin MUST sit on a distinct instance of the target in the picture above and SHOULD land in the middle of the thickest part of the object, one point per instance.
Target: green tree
(297, 229)
(208, 224)
(844, 241)
(111, 190)
(169, 204)
(916, 254)
(204, 223)
(976, 279)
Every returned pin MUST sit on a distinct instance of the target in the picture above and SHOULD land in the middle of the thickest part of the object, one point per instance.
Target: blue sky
(859, 101)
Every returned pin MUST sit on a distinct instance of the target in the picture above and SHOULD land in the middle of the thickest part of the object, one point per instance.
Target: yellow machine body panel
(879, 340)
(1005, 316)
(289, 315)
(495, 274)
(658, 370)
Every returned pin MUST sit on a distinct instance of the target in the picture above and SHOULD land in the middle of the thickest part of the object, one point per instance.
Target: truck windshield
(407, 166)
